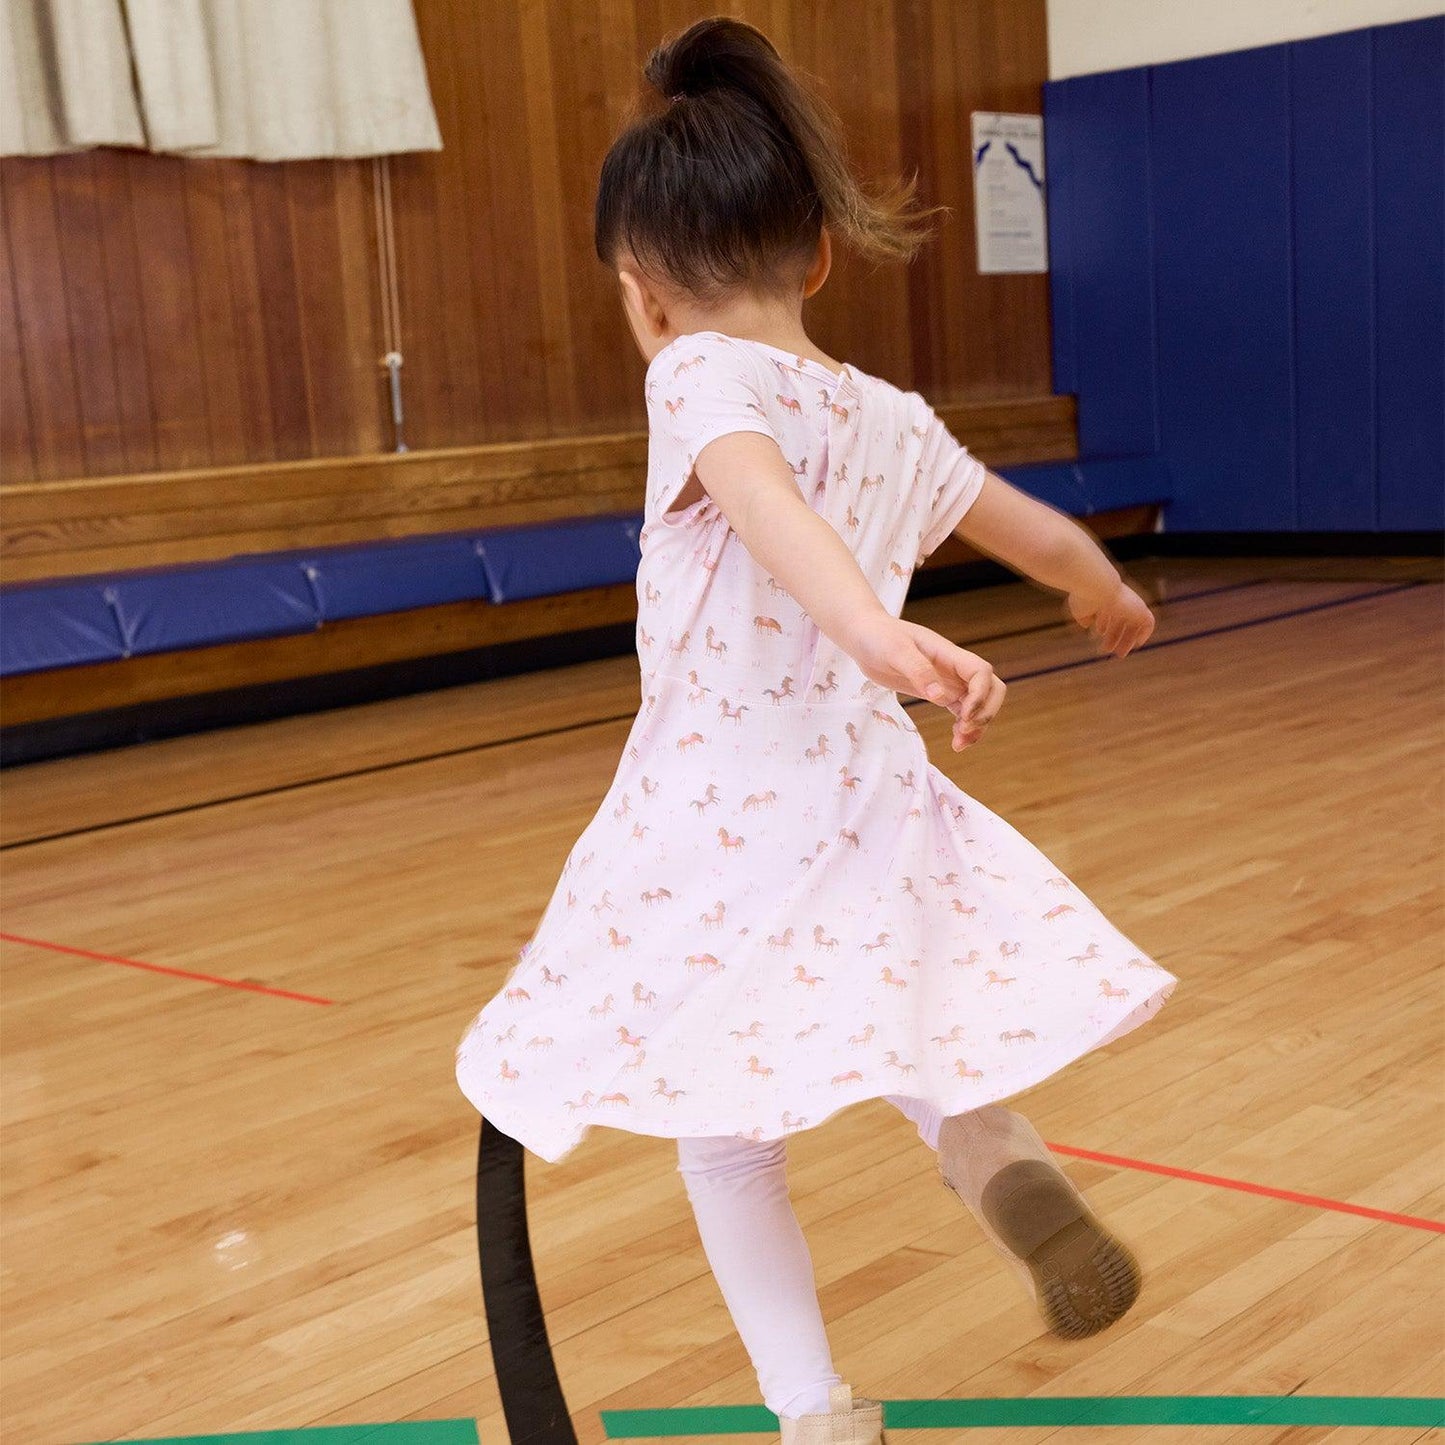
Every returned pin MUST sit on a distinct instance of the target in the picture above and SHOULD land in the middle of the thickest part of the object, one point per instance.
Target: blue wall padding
(1409, 157)
(1334, 283)
(1059, 215)
(549, 557)
(1084, 489)
(1219, 144)
(1111, 482)
(367, 579)
(1110, 245)
(213, 602)
(1292, 266)
(57, 624)
(1057, 483)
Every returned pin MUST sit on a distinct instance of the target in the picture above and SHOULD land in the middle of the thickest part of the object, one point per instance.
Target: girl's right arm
(1052, 549)
(756, 491)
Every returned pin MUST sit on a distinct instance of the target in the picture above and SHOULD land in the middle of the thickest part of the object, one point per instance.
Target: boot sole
(1084, 1277)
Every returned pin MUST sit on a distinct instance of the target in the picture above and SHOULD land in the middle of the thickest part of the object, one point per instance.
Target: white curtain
(270, 79)
(65, 80)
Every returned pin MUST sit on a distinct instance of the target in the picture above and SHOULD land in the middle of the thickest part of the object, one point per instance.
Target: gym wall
(161, 314)
(1248, 254)
(1086, 36)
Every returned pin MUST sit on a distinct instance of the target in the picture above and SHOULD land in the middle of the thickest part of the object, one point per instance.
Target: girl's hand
(905, 657)
(1118, 621)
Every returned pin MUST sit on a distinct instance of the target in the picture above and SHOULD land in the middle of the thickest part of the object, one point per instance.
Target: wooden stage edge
(98, 524)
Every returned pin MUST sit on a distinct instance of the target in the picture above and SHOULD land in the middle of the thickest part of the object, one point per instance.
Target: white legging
(755, 1247)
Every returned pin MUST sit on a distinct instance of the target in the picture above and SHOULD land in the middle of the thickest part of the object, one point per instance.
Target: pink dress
(781, 907)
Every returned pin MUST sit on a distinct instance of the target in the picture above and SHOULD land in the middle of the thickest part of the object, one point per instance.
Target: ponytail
(731, 169)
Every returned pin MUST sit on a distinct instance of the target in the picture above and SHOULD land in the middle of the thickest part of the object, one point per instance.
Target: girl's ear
(822, 264)
(644, 307)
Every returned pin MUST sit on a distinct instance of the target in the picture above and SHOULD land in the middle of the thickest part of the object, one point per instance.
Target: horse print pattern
(781, 907)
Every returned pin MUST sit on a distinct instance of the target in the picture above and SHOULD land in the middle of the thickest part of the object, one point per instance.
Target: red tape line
(1412, 1221)
(161, 968)
(1244, 1186)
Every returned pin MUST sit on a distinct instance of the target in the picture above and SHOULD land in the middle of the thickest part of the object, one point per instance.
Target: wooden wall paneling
(249, 331)
(608, 371)
(875, 138)
(243, 302)
(87, 317)
(278, 302)
(850, 62)
(808, 42)
(17, 459)
(43, 326)
(124, 306)
(225, 390)
(623, 49)
(454, 378)
(422, 301)
(913, 45)
(414, 204)
(548, 198)
(328, 352)
(359, 280)
(312, 253)
(1003, 58)
(469, 134)
(960, 290)
(516, 327)
(168, 282)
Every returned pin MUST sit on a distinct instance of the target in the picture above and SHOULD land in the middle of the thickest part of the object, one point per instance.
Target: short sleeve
(698, 389)
(950, 478)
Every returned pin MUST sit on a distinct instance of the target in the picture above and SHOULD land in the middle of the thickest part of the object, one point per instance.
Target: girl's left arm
(1048, 547)
(746, 475)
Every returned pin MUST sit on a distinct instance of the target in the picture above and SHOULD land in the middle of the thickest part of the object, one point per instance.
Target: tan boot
(1081, 1278)
(847, 1422)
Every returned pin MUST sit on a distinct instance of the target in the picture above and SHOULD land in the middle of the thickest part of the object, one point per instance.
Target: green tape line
(1338, 1410)
(408, 1432)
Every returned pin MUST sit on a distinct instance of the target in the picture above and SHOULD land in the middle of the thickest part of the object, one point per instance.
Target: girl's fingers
(995, 699)
(976, 696)
(970, 726)
(921, 677)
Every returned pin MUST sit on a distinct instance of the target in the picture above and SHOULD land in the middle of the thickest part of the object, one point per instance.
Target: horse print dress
(781, 907)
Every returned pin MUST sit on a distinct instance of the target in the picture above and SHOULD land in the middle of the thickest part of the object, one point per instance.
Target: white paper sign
(1008, 192)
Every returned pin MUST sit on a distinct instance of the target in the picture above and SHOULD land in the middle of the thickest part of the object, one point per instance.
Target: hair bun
(716, 54)
(735, 189)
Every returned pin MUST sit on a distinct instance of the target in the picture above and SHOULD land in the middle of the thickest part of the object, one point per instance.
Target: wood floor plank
(223, 1210)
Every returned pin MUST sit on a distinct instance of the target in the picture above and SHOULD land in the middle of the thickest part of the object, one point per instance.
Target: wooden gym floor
(228, 1209)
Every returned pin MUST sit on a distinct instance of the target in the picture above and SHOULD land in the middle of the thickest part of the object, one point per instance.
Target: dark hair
(728, 171)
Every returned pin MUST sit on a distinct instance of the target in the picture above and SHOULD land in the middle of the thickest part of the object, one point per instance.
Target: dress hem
(976, 1096)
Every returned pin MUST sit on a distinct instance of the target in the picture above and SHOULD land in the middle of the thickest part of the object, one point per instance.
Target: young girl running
(781, 908)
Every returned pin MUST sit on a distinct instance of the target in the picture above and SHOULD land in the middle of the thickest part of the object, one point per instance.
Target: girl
(781, 908)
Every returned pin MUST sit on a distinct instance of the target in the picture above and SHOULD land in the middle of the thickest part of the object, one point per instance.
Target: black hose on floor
(532, 1399)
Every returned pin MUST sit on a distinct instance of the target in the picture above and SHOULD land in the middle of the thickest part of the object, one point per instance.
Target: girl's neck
(776, 322)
